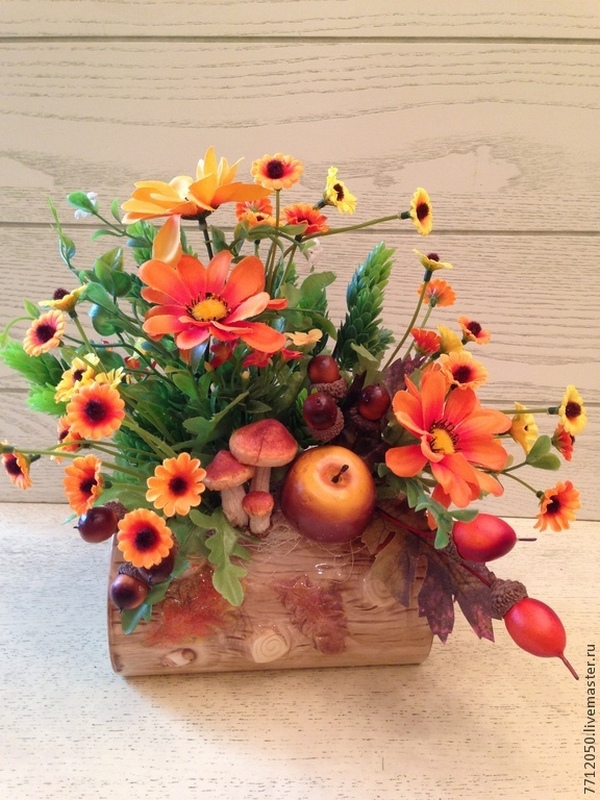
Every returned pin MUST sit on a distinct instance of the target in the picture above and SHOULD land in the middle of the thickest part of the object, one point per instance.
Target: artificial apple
(328, 494)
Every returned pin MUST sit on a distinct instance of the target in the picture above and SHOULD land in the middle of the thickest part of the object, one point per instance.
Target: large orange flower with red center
(457, 435)
(194, 302)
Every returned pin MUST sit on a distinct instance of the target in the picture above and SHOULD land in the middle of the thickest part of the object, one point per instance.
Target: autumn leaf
(317, 611)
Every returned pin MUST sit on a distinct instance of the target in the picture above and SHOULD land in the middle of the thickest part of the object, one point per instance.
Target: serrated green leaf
(41, 399)
(222, 546)
(42, 369)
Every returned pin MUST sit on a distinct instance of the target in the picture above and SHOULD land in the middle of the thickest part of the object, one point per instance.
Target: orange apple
(328, 494)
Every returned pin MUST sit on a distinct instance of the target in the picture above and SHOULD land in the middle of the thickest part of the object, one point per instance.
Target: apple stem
(569, 666)
(338, 475)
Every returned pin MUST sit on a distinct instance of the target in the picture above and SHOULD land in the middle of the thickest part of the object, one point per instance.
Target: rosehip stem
(569, 666)
(339, 474)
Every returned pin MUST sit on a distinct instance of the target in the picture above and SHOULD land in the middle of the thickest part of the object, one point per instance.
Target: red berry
(373, 402)
(484, 538)
(127, 592)
(323, 369)
(97, 524)
(319, 411)
(536, 628)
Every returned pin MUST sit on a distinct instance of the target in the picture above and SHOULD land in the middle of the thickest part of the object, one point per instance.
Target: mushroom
(225, 474)
(258, 506)
(263, 444)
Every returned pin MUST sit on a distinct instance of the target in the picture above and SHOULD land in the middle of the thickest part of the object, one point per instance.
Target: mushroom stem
(231, 502)
(261, 479)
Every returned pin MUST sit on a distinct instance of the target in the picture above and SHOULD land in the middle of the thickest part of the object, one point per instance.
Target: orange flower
(144, 538)
(420, 212)
(176, 485)
(438, 293)
(276, 172)
(17, 468)
(572, 412)
(426, 341)
(45, 333)
(65, 434)
(195, 302)
(461, 370)
(472, 331)
(563, 441)
(262, 207)
(189, 198)
(557, 507)
(456, 435)
(305, 214)
(95, 410)
(83, 483)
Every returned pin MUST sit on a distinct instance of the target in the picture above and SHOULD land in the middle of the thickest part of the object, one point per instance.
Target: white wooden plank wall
(492, 107)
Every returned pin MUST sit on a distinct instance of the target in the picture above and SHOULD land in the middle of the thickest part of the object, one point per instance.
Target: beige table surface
(476, 720)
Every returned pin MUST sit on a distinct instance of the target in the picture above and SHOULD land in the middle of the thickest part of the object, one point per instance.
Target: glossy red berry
(323, 369)
(484, 538)
(97, 524)
(536, 628)
(127, 591)
(320, 411)
(373, 402)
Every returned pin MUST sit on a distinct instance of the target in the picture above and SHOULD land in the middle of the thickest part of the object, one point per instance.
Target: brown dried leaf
(317, 611)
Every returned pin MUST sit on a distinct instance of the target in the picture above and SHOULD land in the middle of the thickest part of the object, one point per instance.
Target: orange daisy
(95, 411)
(572, 412)
(305, 214)
(176, 485)
(472, 331)
(420, 212)
(276, 172)
(563, 441)
(83, 482)
(456, 435)
(17, 468)
(426, 341)
(461, 370)
(144, 538)
(67, 439)
(438, 293)
(261, 207)
(557, 507)
(524, 429)
(45, 333)
(194, 302)
(189, 198)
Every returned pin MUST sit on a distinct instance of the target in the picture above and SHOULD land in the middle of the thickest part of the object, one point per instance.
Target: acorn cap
(504, 596)
(226, 472)
(265, 443)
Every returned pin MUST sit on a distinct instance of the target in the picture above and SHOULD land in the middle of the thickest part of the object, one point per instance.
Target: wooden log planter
(305, 605)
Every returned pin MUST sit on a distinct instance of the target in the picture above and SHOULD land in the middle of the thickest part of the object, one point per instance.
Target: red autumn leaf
(317, 611)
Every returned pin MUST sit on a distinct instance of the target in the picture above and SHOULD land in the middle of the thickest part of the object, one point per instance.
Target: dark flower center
(474, 327)
(339, 191)
(12, 466)
(275, 169)
(422, 212)
(77, 375)
(87, 484)
(433, 256)
(178, 485)
(44, 332)
(95, 410)
(59, 294)
(145, 539)
(572, 410)
(553, 506)
(463, 374)
(63, 435)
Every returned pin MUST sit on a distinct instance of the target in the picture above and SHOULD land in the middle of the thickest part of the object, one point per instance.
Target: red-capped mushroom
(258, 506)
(263, 444)
(225, 474)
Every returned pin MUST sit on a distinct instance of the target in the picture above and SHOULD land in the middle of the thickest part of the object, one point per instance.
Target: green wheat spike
(364, 299)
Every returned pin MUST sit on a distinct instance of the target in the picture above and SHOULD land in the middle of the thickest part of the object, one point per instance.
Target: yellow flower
(63, 300)
(113, 377)
(450, 342)
(81, 373)
(432, 261)
(189, 198)
(337, 194)
(572, 412)
(420, 212)
(300, 339)
(524, 429)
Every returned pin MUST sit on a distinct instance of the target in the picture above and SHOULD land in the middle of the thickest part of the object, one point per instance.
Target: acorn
(159, 572)
(97, 524)
(128, 590)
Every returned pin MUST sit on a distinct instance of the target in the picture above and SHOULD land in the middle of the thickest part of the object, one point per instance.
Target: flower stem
(411, 324)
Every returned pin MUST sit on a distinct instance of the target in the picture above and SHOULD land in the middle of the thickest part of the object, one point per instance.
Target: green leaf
(42, 369)
(115, 210)
(222, 545)
(103, 321)
(312, 290)
(206, 429)
(81, 201)
(41, 399)
(33, 310)
(542, 445)
(185, 383)
(549, 461)
(96, 293)
(464, 514)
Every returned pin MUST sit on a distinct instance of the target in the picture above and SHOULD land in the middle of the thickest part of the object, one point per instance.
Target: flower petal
(165, 279)
(405, 461)
(247, 278)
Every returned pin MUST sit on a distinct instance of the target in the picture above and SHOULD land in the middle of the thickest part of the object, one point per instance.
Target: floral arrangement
(195, 395)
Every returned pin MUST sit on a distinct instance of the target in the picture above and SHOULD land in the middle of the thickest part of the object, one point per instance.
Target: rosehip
(536, 628)
(97, 524)
(484, 538)
(323, 369)
(373, 402)
(127, 591)
(319, 411)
